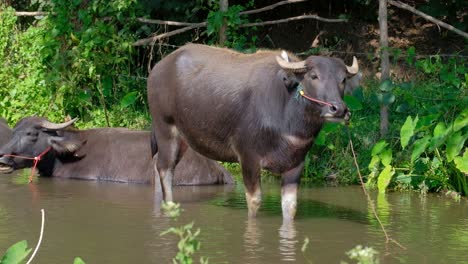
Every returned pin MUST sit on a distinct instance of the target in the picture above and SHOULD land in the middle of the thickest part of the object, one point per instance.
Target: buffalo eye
(313, 76)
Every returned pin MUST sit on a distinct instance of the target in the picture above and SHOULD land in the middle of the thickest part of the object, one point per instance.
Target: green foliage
(363, 255)
(188, 243)
(17, 253)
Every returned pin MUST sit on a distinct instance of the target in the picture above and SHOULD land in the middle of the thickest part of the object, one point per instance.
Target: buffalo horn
(354, 68)
(291, 66)
(54, 126)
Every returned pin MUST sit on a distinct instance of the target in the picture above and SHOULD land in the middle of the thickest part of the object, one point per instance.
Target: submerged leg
(289, 184)
(168, 151)
(253, 192)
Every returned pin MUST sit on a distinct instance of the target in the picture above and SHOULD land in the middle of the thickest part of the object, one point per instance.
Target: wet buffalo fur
(5, 132)
(243, 108)
(111, 154)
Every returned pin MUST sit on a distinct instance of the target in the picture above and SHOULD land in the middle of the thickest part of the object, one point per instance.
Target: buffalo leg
(253, 192)
(289, 184)
(168, 147)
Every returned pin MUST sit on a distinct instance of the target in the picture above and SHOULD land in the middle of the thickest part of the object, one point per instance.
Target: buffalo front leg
(289, 184)
(253, 192)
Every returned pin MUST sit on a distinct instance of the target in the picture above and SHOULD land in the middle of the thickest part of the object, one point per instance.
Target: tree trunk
(223, 7)
(384, 63)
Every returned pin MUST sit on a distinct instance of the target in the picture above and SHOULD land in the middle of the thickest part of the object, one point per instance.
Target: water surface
(104, 222)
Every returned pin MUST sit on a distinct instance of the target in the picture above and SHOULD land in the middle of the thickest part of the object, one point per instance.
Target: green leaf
(384, 178)
(386, 157)
(407, 131)
(454, 145)
(402, 178)
(462, 162)
(386, 98)
(440, 135)
(78, 261)
(379, 147)
(461, 121)
(373, 163)
(128, 99)
(16, 253)
(352, 102)
(419, 147)
(386, 86)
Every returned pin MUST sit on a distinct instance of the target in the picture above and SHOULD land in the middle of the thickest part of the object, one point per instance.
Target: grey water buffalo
(113, 154)
(262, 110)
(5, 132)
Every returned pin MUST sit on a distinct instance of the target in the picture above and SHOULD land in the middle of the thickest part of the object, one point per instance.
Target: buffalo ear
(289, 79)
(65, 146)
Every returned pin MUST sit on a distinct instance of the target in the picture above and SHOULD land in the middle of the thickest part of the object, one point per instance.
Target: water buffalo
(246, 108)
(5, 132)
(113, 154)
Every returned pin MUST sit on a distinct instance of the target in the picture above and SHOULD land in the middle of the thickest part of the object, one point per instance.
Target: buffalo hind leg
(252, 183)
(168, 153)
(289, 184)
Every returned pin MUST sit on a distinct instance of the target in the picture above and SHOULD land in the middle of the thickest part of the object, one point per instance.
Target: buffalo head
(324, 79)
(33, 135)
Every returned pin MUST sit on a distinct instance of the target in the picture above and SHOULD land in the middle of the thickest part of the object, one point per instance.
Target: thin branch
(146, 41)
(331, 20)
(428, 17)
(164, 22)
(270, 7)
(40, 237)
(36, 13)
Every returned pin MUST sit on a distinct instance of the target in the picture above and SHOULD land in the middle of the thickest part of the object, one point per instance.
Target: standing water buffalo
(113, 154)
(5, 132)
(244, 108)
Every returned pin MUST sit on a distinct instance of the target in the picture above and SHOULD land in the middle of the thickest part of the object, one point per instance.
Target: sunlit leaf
(462, 162)
(386, 157)
(419, 147)
(384, 178)
(386, 86)
(16, 253)
(78, 261)
(461, 121)
(379, 147)
(128, 99)
(407, 131)
(455, 145)
(440, 135)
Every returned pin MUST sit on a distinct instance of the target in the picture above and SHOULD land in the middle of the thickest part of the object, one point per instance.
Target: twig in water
(369, 199)
(40, 237)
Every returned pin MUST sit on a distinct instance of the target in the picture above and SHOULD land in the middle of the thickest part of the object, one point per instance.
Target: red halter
(36, 160)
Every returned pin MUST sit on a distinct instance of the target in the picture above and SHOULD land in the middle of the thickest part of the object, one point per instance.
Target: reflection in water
(288, 241)
(252, 240)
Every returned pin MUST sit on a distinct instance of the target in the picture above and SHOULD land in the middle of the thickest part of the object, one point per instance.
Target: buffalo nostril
(333, 109)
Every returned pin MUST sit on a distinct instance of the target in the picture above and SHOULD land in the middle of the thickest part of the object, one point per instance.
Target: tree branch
(164, 22)
(270, 7)
(36, 13)
(146, 41)
(332, 20)
(428, 17)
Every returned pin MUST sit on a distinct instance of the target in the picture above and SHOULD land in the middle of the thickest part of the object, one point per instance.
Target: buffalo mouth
(5, 168)
(334, 119)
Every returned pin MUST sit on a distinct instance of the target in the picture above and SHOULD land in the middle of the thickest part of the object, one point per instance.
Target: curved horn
(54, 126)
(297, 67)
(354, 68)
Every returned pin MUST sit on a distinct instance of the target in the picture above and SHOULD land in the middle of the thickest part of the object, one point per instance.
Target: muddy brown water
(104, 222)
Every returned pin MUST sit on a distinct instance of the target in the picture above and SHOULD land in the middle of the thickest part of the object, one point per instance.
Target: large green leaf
(407, 130)
(352, 102)
(386, 98)
(419, 147)
(386, 86)
(379, 147)
(128, 99)
(384, 178)
(78, 261)
(462, 162)
(386, 157)
(461, 121)
(16, 253)
(455, 145)
(440, 135)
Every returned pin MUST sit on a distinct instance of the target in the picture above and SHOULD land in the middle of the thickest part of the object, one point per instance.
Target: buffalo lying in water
(262, 110)
(112, 154)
